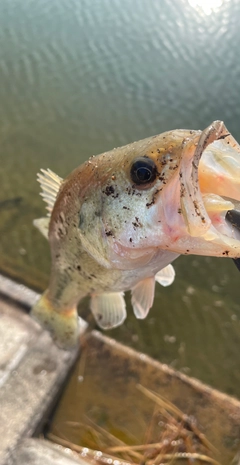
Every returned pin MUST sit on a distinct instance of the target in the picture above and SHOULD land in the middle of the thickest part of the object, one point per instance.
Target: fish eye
(143, 171)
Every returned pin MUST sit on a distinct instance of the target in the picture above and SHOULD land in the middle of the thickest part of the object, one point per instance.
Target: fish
(120, 219)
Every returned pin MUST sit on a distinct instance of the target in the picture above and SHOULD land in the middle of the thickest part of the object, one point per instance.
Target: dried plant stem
(82, 362)
(185, 455)
(110, 436)
(150, 426)
(92, 454)
(163, 403)
(178, 438)
(155, 445)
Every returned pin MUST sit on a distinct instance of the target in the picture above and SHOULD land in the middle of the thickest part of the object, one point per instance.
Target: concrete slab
(32, 373)
(18, 292)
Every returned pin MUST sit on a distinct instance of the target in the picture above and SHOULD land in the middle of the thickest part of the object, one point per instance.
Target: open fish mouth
(209, 176)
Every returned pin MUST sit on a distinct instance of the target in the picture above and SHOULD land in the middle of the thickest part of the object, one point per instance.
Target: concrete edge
(17, 292)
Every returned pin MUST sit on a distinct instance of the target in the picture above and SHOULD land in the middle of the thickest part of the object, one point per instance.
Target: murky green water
(80, 77)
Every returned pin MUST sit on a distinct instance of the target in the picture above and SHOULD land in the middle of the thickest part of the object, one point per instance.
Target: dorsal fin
(50, 184)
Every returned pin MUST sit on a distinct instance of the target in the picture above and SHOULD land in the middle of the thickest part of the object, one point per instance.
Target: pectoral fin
(166, 276)
(109, 309)
(142, 297)
(93, 251)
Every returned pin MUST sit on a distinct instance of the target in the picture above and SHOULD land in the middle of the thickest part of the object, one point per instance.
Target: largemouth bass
(119, 220)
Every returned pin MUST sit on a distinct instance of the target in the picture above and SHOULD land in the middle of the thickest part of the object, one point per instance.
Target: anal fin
(109, 309)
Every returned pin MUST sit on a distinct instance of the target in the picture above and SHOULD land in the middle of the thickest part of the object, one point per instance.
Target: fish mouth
(209, 175)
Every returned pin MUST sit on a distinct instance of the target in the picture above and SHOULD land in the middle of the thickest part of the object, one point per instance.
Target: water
(78, 78)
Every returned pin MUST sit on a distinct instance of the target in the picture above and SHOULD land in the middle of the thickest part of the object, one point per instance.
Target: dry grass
(178, 440)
